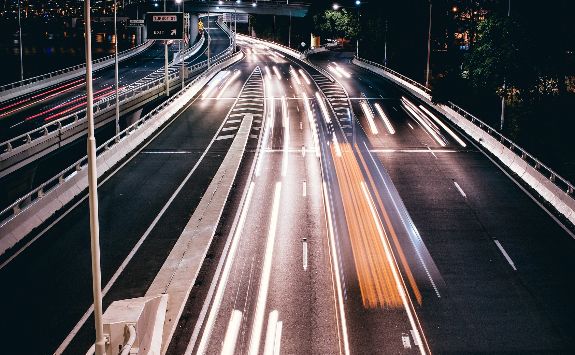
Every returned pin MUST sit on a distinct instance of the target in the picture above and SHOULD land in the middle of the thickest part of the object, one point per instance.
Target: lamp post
(116, 80)
(428, 48)
(504, 82)
(166, 62)
(357, 3)
(100, 344)
(182, 42)
(20, 43)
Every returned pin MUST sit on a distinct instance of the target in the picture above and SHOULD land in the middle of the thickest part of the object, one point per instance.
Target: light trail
(96, 99)
(215, 82)
(369, 116)
(286, 130)
(265, 277)
(384, 118)
(413, 110)
(323, 107)
(311, 121)
(451, 133)
(304, 76)
(228, 82)
(277, 72)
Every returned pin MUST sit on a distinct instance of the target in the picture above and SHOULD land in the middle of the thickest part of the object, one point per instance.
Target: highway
(361, 222)
(139, 69)
(502, 261)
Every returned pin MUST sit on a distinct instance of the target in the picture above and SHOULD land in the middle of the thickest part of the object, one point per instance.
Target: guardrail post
(41, 192)
(552, 177)
(537, 165)
(28, 138)
(8, 146)
(16, 209)
(570, 190)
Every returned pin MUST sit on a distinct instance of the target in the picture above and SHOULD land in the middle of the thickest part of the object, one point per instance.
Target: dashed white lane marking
(304, 189)
(409, 124)
(305, 253)
(226, 136)
(460, 189)
(233, 128)
(507, 257)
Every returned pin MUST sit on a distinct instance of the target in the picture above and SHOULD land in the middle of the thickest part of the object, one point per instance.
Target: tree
(337, 24)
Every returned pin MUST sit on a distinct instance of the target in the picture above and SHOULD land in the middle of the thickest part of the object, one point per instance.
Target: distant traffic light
(200, 25)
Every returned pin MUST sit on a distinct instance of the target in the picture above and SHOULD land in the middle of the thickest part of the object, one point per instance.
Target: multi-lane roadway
(361, 222)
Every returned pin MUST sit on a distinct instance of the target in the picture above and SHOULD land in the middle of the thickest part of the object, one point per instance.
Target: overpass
(261, 7)
(321, 205)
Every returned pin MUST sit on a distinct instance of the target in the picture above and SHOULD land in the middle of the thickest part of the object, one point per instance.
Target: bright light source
(369, 115)
(357, 2)
(254, 4)
(385, 119)
(451, 133)
(335, 6)
(323, 108)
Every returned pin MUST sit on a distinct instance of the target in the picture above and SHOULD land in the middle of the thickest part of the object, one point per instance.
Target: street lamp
(428, 48)
(20, 43)
(181, 43)
(116, 68)
(336, 7)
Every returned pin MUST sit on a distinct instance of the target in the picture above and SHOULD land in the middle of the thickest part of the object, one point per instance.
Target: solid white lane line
(304, 189)
(336, 272)
(271, 333)
(460, 189)
(507, 257)
(229, 346)
(393, 264)
(323, 108)
(202, 347)
(304, 252)
(265, 278)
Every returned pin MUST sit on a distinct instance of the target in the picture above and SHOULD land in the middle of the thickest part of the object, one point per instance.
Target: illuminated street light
(335, 6)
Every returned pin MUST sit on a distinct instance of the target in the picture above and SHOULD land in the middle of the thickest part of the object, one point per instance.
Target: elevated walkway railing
(556, 190)
(18, 88)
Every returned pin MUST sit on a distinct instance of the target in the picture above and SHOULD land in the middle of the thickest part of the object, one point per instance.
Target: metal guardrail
(294, 53)
(551, 175)
(29, 139)
(33, 196)
(391, 71)
(35, 79)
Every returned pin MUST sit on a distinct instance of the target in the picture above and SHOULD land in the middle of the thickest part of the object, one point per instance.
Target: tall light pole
(116, 80)
(385, 46)
(428, 48)
(208, 30)
(182, 42)
(166, 62)
(100, 344)
(357, 3)
(20, 42)
(504, 82)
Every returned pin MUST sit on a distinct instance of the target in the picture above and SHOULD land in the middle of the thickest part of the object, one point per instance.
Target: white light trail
(385, 119)
(265, 277)
(228, 82)
(285, 123)
(411, 108)
(336, 145)
(369, 115)
(294, 75)
(334, 71)
(451, 133)
(229, 347)
(277, 72)
(215, 82)
(304, 76)
(311, 121)
(323, 107)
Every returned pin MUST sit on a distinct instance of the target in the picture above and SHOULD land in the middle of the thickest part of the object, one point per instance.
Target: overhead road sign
(165, 25)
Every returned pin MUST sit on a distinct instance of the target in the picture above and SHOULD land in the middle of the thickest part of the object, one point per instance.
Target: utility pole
(20, 42)
(166, 61)
(504, 82)
(100, 344)
(208, 31)
(428, 48)
(385, 46)
(183, 41)
(116, 79)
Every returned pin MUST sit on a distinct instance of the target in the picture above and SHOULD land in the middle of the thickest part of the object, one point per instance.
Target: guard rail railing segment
(22, 142)
(33, 80)
(290, 51)
(41, 191)
(551, 175)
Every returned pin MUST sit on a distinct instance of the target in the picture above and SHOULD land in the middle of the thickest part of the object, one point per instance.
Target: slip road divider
(554, 189)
